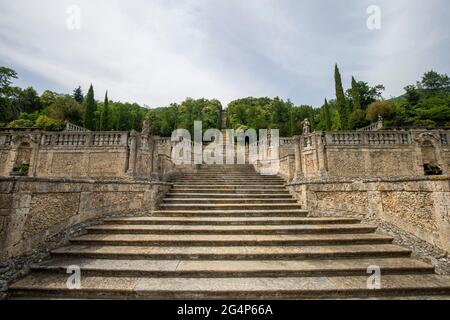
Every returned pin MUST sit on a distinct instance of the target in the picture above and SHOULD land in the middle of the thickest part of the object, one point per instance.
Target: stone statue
(306, 127)
(145, 128)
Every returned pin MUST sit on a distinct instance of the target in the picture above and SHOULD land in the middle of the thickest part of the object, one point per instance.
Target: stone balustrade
(74, 128)
(346, 138)
(97, 139)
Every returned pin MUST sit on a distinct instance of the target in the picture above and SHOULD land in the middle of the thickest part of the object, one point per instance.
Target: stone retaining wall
(356, 154)
(417, 205)
(33, 210)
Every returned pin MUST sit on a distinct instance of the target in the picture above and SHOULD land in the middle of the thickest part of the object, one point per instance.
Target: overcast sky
(159, 51)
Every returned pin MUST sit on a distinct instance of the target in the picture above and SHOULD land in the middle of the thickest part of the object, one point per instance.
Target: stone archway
(430, 154)
(23, 158)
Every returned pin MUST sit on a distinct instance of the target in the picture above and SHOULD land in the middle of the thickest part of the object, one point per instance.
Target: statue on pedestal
(306, 127)
(145, 128)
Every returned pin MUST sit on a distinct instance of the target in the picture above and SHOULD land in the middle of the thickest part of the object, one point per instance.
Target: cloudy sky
(159, 51)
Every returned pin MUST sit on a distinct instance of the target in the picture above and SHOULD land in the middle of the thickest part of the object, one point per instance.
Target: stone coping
(86, 181)
(368, 180)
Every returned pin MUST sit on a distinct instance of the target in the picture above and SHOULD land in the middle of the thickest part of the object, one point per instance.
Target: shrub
(46, 123)
(20, 123)
(24, 168)
(425, 124)
(386, 109)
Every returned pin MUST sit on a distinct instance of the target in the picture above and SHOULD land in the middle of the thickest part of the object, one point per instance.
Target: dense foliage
(263, 113)
(425, 104)
(164, 120)
(20, 108)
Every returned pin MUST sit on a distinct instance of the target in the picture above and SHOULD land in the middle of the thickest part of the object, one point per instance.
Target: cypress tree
(78, 95)
(89, 110)
(355, 95)
(104, 119)
(341, 102)
(327, 115)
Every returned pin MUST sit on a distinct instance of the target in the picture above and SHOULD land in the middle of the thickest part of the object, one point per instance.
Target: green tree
(104, 119)
(356, 101)
(432, 80)
(341, 101)
(47, 98)
(89, 110)
(367, 94)
(28, 100)
(326, 113)
(6, 93)
(78, 95)
(412, 95)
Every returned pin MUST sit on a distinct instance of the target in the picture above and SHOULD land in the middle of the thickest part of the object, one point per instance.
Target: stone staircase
(228, 232)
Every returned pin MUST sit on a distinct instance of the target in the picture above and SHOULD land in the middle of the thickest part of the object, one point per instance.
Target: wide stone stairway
(228, 232)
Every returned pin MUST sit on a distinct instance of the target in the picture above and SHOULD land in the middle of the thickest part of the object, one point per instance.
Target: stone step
(258, 201)
(278, 191)
(233, 268)
(227, 167)
(223, 175)
(232, 230)
(234, 206)
(228, 178)
(230, 240)
(238, 187)
(232, 252)
(219, 172)
(224, 182)
(229, 195)
(232, 213)
(41, 284)
(228, 221)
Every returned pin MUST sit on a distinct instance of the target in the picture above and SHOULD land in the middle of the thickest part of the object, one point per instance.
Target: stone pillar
(321, 155)
(298, 158)
(151, 146)
(132, 154)
(34, 161)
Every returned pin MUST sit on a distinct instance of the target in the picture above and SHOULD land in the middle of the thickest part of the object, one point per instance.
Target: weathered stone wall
(99, 155)
(81, 162)
(371, 154)
(420, 206)
(35, 209)
(370, 162)
(287, 167)
(4, 157)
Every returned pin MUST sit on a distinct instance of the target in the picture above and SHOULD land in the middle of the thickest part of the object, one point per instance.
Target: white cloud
(160, 51)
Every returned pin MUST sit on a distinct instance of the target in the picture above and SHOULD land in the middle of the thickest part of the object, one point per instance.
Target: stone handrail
(346, 138)
(284, 141)
(95, 139)
(70, 127)
(164, 140)
(374, 126)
